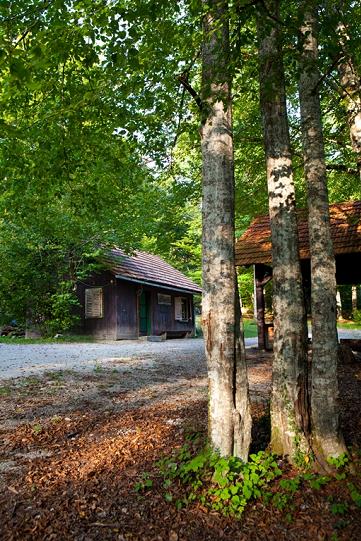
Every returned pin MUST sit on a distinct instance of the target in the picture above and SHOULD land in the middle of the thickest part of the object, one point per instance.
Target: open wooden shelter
(254, 247)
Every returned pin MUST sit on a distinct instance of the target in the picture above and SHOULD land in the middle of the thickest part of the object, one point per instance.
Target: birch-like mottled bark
(229, 408)
(351, 87)
(326, 438)
(289, 406)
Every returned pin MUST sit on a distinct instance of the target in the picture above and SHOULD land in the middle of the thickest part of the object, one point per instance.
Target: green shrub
(221, 484)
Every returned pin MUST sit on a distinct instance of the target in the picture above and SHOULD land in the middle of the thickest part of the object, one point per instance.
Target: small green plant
(342, 523)
(339, 508)
(168, 497)
(318, 481)
(55, 376)
(29, 382)
(144, 484)
(37, 428)
(290, 485)
(355, 494)
(5, 391)
(301, 458)
(283, 498)
(98, 369)
(338, 462)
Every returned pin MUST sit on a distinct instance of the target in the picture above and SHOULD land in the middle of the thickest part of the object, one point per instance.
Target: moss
(277, 441)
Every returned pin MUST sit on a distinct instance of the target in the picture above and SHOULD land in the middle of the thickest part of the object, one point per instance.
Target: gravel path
(33, 359)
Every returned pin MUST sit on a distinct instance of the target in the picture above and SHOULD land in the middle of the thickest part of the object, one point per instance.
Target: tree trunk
(354, 299)
(350, 83)
(326, 438)
(289, 406)
(229, 407)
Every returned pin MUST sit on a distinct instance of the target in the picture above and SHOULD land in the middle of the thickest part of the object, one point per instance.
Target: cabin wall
(163, 316)
(127, 310)
(120, 319)
(103, 327)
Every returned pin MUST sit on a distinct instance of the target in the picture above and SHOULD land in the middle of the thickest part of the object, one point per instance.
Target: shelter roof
(255, 246)
(148, 269)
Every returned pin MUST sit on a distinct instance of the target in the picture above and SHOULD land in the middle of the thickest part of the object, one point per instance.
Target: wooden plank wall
(121, 317)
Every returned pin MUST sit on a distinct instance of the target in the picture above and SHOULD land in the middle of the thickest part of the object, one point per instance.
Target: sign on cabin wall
(94, 302)
(164, 299)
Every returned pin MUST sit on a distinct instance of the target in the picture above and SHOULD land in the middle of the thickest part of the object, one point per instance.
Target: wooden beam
(263, 275)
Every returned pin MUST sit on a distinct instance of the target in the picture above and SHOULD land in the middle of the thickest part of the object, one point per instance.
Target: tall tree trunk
(289, 406)
(229, 407)
(326, 437)
(350, 84)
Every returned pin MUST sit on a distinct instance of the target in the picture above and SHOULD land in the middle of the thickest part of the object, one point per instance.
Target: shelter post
(263, 275)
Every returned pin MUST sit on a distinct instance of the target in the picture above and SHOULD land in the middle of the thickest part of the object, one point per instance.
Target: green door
(144, 319)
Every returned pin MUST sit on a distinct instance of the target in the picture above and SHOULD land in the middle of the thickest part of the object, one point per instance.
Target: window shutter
(178, 308)
(94, 302)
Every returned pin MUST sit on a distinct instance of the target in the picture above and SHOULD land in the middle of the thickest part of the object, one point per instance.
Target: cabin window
(182, 309)
(94, 305)
(164, 299)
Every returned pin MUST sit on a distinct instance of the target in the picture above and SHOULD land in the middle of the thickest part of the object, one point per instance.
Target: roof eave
(159, 285)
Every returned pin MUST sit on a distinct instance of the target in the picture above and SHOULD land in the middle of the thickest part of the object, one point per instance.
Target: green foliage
(249, 328)
(317, 481)
(144, 484)
(75, 115)
(246, 287)
(355, 494)
(66, 338)
(227, 485)
(339, 508)
(356, 315)
(62, 306)
(339, 462)
(222, 484)
(99, 143)
(5, 391)
(37, 428)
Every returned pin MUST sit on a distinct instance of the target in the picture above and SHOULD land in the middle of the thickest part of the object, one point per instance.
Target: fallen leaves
(76, 475)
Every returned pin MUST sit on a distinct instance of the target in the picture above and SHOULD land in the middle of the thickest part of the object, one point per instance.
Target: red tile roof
(149, 268)
(254, 246)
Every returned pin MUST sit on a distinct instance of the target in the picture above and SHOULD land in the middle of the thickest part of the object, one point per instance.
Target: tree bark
(326, 438)
(289, 406)
(229, 407)
(350, 84)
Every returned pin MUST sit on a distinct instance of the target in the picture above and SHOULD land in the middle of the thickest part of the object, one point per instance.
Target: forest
(168, 127)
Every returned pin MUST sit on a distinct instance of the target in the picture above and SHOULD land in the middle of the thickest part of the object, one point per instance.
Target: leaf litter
(74, 446)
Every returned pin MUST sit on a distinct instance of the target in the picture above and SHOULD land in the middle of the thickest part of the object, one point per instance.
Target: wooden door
(144, 314)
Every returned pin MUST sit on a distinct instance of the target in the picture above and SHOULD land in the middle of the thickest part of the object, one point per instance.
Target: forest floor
(74, 445)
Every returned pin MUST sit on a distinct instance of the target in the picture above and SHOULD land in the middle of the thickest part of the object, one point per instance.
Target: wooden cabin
(254, 247)
(138, 295)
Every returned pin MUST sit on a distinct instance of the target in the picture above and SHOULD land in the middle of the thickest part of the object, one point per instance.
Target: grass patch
(5, 391)
(250, 328)
(63, 339)
(353, 325)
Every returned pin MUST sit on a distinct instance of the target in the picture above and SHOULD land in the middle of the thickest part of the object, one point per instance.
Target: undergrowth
(218, 483)
(227, 484)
